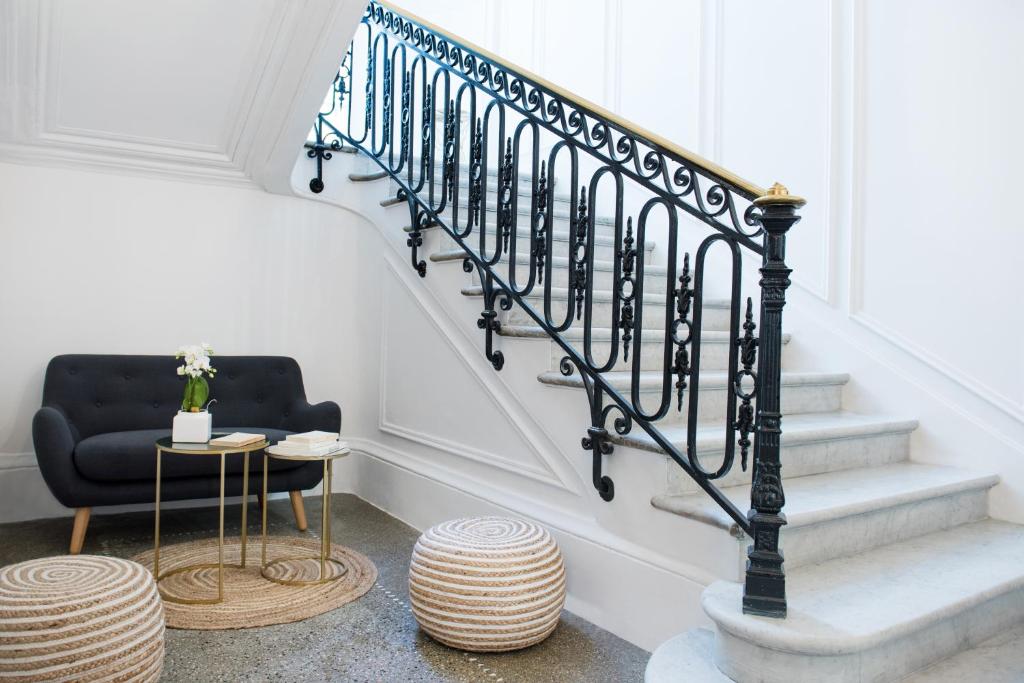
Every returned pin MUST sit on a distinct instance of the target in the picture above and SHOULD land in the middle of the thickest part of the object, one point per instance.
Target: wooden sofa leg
(78, 532)
(298, 509)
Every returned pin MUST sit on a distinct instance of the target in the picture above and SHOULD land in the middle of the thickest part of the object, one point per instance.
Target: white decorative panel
(172, 74)
(428, 398)
(938, 236)
(776, 108)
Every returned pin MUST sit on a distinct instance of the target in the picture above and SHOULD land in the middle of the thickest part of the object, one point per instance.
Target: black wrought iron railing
(475, 146)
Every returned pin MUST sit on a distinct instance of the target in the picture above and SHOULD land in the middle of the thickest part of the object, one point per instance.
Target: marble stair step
(999, 659)
(716, 311)
(880, 615)
(655, 278)
(812, 443)
(837, 514)
(686, 658)
(802, 392)
(714, 354)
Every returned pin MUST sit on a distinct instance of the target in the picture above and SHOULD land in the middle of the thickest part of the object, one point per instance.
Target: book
(335, 447)
(299, 448)
(315, 436)
(237, 439)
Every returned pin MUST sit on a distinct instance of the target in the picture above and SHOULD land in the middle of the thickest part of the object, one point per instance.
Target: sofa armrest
(305, 417)
(54, 444)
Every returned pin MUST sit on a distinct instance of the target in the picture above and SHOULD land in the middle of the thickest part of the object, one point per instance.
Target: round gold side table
(325, 523)
(166, 445)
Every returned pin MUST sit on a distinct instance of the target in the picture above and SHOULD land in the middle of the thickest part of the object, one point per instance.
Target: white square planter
(192, 427)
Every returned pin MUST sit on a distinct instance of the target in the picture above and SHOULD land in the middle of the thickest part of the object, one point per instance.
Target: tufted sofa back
(108, 393)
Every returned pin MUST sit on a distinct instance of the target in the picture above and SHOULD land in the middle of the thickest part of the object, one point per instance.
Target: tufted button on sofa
(101, 415)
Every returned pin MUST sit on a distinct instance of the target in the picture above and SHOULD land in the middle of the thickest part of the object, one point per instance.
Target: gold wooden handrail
(647, 136)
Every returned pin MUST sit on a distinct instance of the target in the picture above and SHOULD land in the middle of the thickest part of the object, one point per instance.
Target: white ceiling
(195, 88)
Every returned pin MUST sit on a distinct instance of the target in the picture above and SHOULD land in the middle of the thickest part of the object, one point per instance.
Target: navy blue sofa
(101, 415)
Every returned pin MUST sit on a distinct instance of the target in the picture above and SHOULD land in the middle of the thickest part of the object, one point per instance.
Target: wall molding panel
(550, 466)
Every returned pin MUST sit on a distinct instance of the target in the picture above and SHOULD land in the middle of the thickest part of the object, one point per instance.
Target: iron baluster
(449, 152)
(627, 288)
(580, 225)
(745, 412)
(540, 219)
(684, 299)
(476, 175)
(505, 199)
(764, 590)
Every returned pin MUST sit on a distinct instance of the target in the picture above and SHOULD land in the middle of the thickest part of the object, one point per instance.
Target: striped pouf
(80, 618)
(487, 584)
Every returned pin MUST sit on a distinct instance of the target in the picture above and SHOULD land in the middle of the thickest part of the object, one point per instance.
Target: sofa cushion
(131, 456)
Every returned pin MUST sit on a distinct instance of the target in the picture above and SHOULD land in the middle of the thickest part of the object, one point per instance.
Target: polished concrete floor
(372, 639)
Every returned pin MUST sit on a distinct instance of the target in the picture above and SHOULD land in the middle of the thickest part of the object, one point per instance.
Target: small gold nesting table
(325, 523)
(166, 445)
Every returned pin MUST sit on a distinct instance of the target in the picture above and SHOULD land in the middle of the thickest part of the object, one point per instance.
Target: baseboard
(627, 595)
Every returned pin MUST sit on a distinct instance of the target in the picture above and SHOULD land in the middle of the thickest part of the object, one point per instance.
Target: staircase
(891, 565)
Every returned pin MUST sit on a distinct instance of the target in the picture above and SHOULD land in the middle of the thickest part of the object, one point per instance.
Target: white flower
(181, 370)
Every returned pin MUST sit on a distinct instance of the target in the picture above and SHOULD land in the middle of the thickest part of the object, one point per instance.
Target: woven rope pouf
(487, 584)
(80, 618)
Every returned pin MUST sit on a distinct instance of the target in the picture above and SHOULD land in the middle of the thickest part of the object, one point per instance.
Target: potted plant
(193, 423)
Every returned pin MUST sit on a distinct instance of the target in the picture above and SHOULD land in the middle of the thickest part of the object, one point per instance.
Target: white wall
(895, 121)
(100, 263)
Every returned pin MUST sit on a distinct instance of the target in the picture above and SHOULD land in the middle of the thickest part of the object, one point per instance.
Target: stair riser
(805, 459)
(887, 662)
(655, 283)
(715, 319)
(854, 534)
(713, 402)
(714, 356)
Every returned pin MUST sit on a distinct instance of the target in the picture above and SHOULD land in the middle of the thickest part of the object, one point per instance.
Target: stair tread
(831, 495)
(854, 603)
(708, 378)
(556, 262)
(796, 429)
(523, 231)
(604, 334)
(996, 660)
(600, 295)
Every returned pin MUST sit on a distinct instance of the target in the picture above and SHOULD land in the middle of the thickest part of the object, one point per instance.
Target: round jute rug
(249, 599)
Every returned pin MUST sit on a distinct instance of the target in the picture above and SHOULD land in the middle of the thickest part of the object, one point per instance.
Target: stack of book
(309, 444)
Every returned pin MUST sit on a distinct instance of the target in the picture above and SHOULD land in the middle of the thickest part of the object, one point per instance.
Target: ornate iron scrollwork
(581, 229)
(627, 288)
(540, 221)
(597, 439)
(420, 221)
(476, 174)
(450, 177)
(505, 197)
(748, 355)
(684, 299)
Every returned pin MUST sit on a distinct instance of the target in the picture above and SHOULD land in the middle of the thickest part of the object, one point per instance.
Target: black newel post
(764, 592)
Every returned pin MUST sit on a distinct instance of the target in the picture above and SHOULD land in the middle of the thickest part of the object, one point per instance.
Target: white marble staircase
(893, 566)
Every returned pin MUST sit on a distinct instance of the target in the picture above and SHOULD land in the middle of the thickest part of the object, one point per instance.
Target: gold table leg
(325, 534)
(326, 507)
(245, 505)
(220, 548)
(263, 553)
(156, 530)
